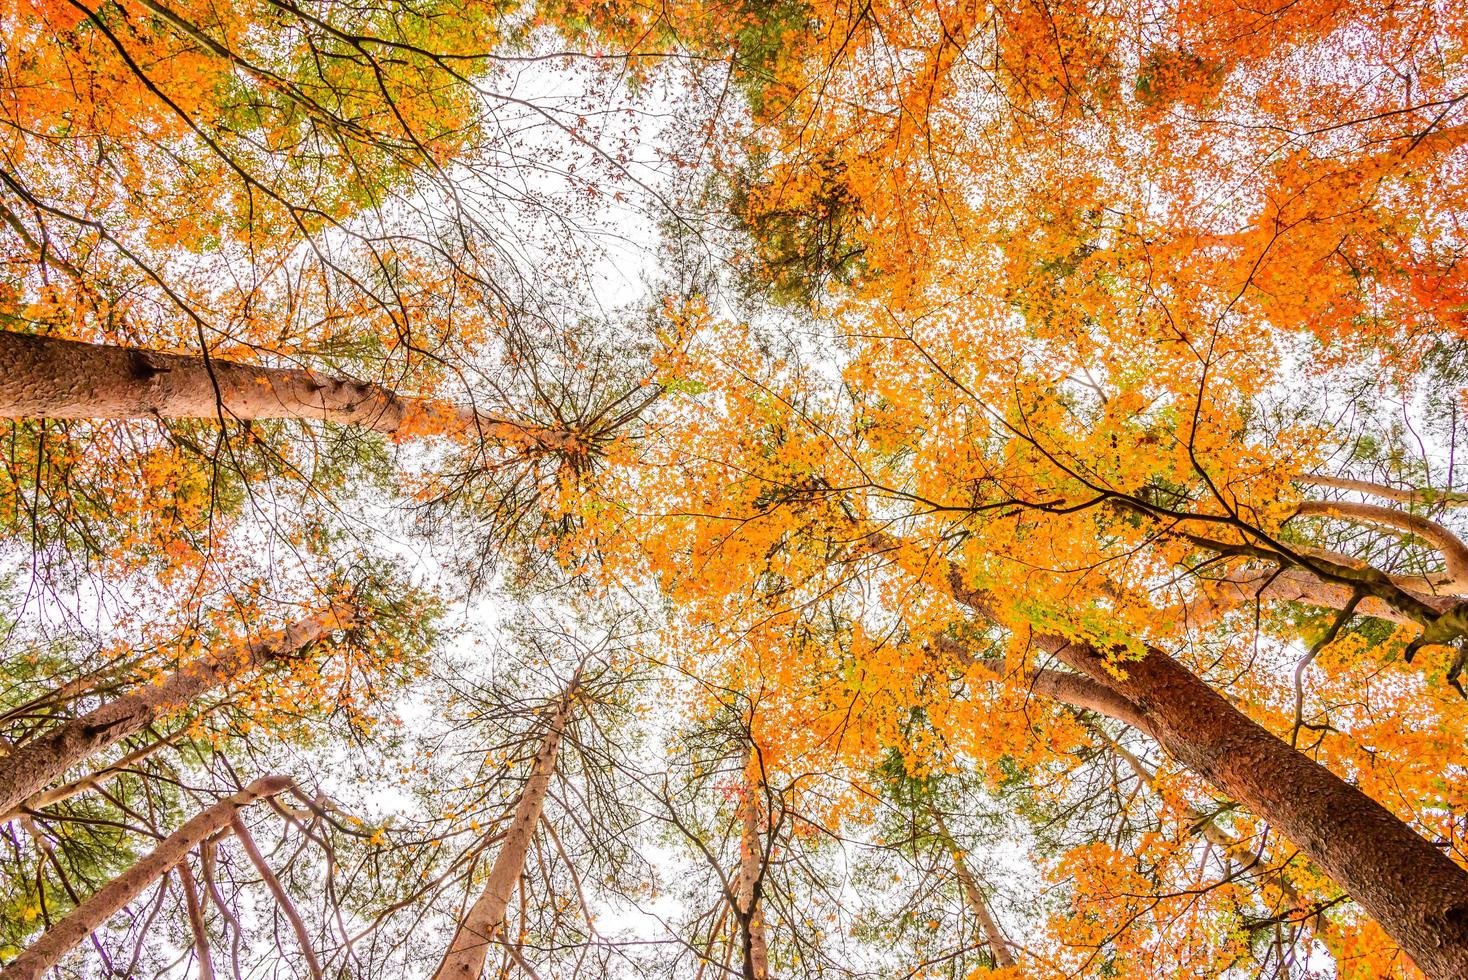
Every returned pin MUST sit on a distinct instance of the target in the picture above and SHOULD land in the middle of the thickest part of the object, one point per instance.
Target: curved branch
(1222, 595)
(1454, 552)
(298, 925)
(1076, 690)
(1447, 498)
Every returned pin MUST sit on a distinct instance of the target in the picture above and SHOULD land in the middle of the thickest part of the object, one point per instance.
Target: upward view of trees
(761, 489)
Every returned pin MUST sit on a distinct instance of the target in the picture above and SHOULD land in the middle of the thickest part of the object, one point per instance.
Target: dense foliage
(775, 488)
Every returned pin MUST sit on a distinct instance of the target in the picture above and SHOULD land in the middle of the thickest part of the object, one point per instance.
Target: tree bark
(751, 874)
(1248, 585)
(1454, 552)
(33, 765)
(89, 916)
(298, 925)
(45, 377)
(1416, 892)
(196, 921)
(998, 945)
(92, 781)
(486, 918)
(1446, 498)
(1276, 881)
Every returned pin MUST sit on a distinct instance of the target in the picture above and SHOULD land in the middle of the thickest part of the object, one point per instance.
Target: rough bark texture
(1417, 894)
(484, 920)
(31, 766)
(44, 377)
(59, 794)
(50, 378)
(747, 886)
(998, 945)
(87, 917)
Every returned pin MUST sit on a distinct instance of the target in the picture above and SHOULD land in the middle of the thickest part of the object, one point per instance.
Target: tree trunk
(92, 781)
(298, 925)
(1415, 891)
(196, 921)
(45, 377)
(484, 920)
(1003, 954)
(751, 873)
(1276, 882)
(89, 916)
(31, 766)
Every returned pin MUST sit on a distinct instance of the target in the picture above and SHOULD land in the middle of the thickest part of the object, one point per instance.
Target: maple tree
(1035, 450)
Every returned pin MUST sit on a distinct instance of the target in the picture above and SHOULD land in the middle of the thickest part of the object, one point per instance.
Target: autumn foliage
(754, 487)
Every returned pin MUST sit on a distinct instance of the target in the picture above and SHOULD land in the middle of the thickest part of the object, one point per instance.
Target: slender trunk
(1415, 891)
(237, 929)
(298, 925)
(89, 916)
(484, 920)
(196, 921)
(751, 874)
(45, 377)
(1003, 953)
(32, 766)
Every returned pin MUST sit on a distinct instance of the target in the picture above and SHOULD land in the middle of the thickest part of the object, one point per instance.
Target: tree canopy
(750, 488)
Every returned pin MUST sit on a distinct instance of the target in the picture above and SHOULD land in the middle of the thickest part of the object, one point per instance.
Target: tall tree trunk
(998, 945)
(91, 781)
(298, 925)
(196, 921)
(751, 875)
(45, 377)
(89, 916)
(33, 765)
(1415, 891)
(484, 920)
